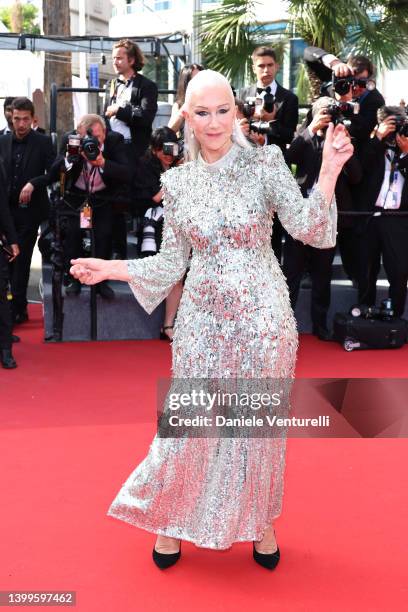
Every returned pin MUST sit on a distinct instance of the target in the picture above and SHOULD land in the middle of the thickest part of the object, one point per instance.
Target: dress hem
(186, 538)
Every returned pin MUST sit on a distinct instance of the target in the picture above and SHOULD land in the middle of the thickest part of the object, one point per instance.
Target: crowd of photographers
(108, 172)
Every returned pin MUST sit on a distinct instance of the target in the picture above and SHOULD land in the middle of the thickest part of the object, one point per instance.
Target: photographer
(352, 78)
(385, 188)
(278, 106)
(306, 152)
(164, 153)
(95, 170)
(8, 252)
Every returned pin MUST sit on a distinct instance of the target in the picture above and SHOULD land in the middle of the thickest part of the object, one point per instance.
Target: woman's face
(211, 116)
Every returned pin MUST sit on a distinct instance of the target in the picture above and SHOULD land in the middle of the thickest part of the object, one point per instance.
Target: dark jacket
(372, 157)
(364, 122)
(37, 160)
(6, 220)
(286, 117)
(146, 183)
(115, 173)
(139, 113)
(306, 154)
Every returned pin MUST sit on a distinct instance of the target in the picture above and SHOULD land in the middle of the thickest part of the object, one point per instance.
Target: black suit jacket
(139, 113)
(6, 220)
(372, 157)
(305, 153)
(287, 115)
(115, 173)
(37, 160)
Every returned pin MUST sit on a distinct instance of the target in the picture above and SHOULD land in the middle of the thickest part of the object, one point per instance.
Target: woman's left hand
(337, 148)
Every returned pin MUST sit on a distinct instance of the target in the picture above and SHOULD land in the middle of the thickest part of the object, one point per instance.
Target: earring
(192, 133)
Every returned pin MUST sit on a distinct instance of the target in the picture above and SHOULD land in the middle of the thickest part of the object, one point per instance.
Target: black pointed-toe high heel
(165, 560)
(268, 560)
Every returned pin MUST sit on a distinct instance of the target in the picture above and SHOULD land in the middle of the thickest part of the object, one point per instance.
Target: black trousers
(72, 233)
(347, 241)
(27, 232)
(295, 257)
(384, 236)
(5, 310)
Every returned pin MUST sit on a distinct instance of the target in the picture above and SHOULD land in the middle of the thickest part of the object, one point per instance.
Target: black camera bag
(361, 333)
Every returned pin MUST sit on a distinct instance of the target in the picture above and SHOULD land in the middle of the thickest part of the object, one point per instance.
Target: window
(162, 5)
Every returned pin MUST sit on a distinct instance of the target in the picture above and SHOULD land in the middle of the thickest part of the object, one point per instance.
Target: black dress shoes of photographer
(106, 292)
(323, 334)
(7, 360)
(74, 288)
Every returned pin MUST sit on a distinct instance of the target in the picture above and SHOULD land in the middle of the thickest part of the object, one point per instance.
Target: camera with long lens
(384, 312)
(151, 231)
(342, 112)
(87, 144)
(252, 104)
(175, 149)
(341, 85)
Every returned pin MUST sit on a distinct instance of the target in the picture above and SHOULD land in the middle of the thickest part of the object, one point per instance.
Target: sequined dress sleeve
(311, 220)
(153, 277)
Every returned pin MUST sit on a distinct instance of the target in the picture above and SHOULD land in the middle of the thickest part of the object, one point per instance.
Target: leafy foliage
(30, 18)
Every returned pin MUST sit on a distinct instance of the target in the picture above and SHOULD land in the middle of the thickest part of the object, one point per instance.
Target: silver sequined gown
(234, 320)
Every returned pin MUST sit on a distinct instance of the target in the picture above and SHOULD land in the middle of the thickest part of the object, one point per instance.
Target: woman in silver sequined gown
(234, 320)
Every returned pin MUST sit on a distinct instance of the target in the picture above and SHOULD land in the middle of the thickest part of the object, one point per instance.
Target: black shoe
(7, 360)
(74, 288)
(106, 292)
(165, 560)
(15, 338)
(323, 334)
(20, 317)
(270, 561)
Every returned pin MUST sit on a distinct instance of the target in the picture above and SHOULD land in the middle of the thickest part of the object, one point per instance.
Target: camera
(401, 125)
(87, 144)
(341, 85)
(252, 104)
(175, 149)
(152, 227)
(341, 112)
(385, 312)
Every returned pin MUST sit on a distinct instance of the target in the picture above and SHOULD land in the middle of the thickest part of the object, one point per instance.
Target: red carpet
(77, 418)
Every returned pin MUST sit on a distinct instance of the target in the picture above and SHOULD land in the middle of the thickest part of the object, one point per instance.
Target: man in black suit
(284, 116)
(130, 108)
(7, 115)
(323, 64)
(93, 181)
(6, 229)
(27, 156)
(306, 152)
(385, 188)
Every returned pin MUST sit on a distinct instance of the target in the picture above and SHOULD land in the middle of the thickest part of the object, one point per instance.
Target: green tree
(228, 35)
(30, 24)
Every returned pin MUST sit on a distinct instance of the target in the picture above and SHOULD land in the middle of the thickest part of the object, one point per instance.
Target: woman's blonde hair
(208, 78)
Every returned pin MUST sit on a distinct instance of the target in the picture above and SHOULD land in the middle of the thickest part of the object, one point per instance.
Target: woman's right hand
(89, 270)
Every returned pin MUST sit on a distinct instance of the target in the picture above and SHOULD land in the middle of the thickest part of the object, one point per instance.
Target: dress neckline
(225, 160)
